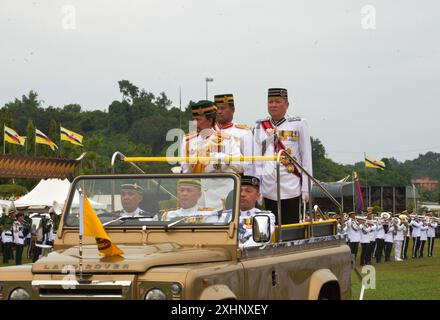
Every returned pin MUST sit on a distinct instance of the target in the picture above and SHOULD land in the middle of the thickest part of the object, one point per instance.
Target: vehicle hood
(136, 258)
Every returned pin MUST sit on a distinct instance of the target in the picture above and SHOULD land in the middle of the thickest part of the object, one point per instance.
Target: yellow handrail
(200, 159)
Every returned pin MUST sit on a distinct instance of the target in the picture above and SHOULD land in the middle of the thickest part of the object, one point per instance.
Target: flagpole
(60, 140)
(353, 182)
(81, 232)
(366, 180)
(4, 140)
(35, 142)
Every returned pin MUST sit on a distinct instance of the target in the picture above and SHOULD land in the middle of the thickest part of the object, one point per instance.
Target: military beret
(189, 183)
(224, 98)
(277, 93)
(250, 181)
(203, 107)
(132, 187)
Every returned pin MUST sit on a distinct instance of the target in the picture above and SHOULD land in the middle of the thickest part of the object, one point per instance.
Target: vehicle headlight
(155, 294)
(176, 288)
(19, 294)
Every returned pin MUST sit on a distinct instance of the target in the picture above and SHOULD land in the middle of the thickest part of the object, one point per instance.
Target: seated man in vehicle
(249, 195)
(131, 197)
(189, 191)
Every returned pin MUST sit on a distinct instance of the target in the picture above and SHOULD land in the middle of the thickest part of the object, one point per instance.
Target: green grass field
(411, 279)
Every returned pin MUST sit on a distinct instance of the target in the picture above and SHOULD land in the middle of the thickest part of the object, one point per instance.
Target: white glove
(220, 157)
(305, 196)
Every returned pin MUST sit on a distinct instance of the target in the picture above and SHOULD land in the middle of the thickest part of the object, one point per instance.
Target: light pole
(208, 80)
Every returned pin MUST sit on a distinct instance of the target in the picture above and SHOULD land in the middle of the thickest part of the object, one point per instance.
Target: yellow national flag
(373, 163)
(41, 138)
(11, 136)
(93, 228)
(72, 137)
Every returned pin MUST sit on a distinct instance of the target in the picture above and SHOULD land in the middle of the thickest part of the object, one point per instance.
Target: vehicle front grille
(54, 289)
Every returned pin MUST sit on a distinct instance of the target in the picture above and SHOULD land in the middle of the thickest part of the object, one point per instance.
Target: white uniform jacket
(292, 134)
(415, 228)
(243, 138)
(245, 226)
(209, 143)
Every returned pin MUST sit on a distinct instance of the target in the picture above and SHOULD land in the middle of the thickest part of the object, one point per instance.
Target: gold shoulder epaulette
(242, 126)
(205, 209)
(191, 135)
(223, 135)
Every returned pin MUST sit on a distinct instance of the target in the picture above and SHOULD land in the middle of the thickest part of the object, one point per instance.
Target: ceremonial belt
(278, 145)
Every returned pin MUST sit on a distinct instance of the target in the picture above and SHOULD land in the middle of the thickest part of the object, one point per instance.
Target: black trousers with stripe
(405, 246)
(388, 247)
(422, 248)
(416, 247)
(430, 246)
(290, 209)
(379, 249)
(365, 253)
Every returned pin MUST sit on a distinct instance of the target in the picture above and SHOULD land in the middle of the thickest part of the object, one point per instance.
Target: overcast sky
(361, 90)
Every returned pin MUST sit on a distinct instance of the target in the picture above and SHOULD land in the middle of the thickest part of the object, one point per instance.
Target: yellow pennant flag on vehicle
(71, 136)
(91, 226)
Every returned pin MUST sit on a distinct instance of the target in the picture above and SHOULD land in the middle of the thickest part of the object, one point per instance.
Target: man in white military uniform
(423, 237)
(432, 225)
(207, 142)
(189, 191)
(398, 238)
(277, 132)
(7, 235)
(380, 235)
(416, 225)
(131, 197)
(353, 231)
(18, 237)
(249, 195)
(389, 240)
(365, 242)
(239, 132)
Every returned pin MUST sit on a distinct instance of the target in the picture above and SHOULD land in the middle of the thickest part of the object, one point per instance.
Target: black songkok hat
(203, 107)
(224, 98)
(277, 92)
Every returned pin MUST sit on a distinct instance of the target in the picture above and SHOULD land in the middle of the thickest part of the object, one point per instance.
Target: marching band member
(380, 235)
(365, 242)
(398, 238)
(373, 228)
(423, 237)
(389, 239)
(406, 219)
(432, 225)
(416, 225)
(354, 236)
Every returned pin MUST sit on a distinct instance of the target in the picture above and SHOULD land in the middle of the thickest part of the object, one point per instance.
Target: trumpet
(365, 220)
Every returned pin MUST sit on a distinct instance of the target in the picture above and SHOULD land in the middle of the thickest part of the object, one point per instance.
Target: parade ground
(412, 279)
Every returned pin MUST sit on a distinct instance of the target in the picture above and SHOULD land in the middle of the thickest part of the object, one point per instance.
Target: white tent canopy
(51, 192)
(45, 194)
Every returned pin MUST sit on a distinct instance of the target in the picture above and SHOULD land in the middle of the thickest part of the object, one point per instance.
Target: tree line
(137, 125)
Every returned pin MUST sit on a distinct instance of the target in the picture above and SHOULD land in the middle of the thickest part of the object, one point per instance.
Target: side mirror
(261, 228)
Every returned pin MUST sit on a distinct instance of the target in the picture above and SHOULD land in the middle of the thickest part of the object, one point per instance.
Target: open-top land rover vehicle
(195, 257)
